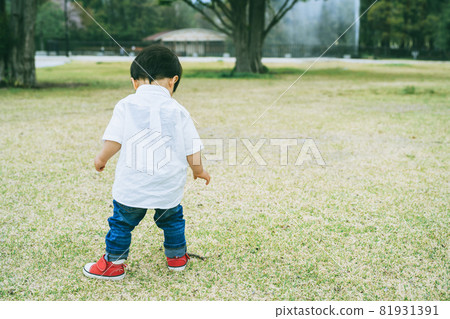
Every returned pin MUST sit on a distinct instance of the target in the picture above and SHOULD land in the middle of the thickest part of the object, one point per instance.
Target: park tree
(17, 42)
(247, 22)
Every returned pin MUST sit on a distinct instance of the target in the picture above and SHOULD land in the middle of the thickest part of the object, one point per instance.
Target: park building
(191, 42)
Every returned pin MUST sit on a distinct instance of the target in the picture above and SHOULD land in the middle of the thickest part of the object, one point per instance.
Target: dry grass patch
(371, 225)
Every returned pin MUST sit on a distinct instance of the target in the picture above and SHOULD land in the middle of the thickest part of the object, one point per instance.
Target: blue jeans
(126, 218)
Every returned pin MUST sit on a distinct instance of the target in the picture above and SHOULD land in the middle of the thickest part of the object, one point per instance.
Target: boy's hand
(203, 175)
(99, 164)
(109, 149)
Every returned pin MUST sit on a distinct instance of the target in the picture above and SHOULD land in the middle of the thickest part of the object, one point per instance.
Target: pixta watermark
(148, 151)
(257, 151)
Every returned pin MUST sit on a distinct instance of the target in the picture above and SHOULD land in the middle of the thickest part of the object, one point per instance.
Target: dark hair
(156, 62)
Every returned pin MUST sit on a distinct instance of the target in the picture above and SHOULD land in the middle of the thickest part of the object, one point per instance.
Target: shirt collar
(152, 89)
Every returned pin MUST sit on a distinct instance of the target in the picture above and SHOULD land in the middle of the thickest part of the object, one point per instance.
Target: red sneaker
(178, 263)
(103, 269)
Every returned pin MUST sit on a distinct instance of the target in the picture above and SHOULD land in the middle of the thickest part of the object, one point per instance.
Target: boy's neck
(161, 82)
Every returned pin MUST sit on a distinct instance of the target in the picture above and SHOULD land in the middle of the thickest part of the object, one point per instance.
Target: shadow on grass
(337, 72)
(228, 74)
(59, 85)
(48, 85)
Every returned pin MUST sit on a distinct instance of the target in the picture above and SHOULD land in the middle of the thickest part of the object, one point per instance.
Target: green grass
(371, 225)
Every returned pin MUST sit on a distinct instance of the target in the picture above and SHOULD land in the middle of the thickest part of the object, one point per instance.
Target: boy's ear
(135, 83)
(173, 80)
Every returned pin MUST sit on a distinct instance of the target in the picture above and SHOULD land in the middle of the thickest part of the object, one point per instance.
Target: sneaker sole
(181, 268)
(91, 275)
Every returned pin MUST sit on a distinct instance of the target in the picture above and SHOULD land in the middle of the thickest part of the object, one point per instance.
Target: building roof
(183, 35)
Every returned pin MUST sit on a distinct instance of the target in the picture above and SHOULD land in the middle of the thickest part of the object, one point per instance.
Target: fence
(397, 53)
(57, 47)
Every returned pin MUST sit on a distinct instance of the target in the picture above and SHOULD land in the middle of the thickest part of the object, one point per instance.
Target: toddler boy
(158, 140)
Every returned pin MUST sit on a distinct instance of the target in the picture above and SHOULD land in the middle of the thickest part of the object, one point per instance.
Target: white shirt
(156, 134)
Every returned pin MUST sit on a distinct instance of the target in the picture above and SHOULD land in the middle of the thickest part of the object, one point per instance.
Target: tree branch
(212, 7)
(226, 11)
(225, 28)
(285, 7)
(270, 8)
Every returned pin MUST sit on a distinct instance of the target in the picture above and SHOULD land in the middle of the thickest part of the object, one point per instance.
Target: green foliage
(4, 39)
(442, 40)
(406, 24)
(410, 89)
(49, 22)
(132, 20)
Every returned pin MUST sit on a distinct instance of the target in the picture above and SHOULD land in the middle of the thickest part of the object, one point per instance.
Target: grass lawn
(373, 224)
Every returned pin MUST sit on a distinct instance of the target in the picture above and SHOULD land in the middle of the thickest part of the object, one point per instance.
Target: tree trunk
(3, 41)
(243, 64)
(20, 64)
(240, 36)
(257, 15)
(248, 35)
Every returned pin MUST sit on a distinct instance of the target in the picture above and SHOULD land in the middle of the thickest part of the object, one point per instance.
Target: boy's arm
(109, 149)
(195, 162)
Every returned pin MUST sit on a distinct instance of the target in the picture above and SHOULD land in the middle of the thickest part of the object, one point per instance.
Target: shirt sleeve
(115, 129)
(192, 141)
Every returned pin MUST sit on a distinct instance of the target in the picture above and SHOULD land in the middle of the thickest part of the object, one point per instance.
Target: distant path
(50, 61)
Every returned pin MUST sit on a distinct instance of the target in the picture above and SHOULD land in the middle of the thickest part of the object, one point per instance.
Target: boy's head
(157, 62)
